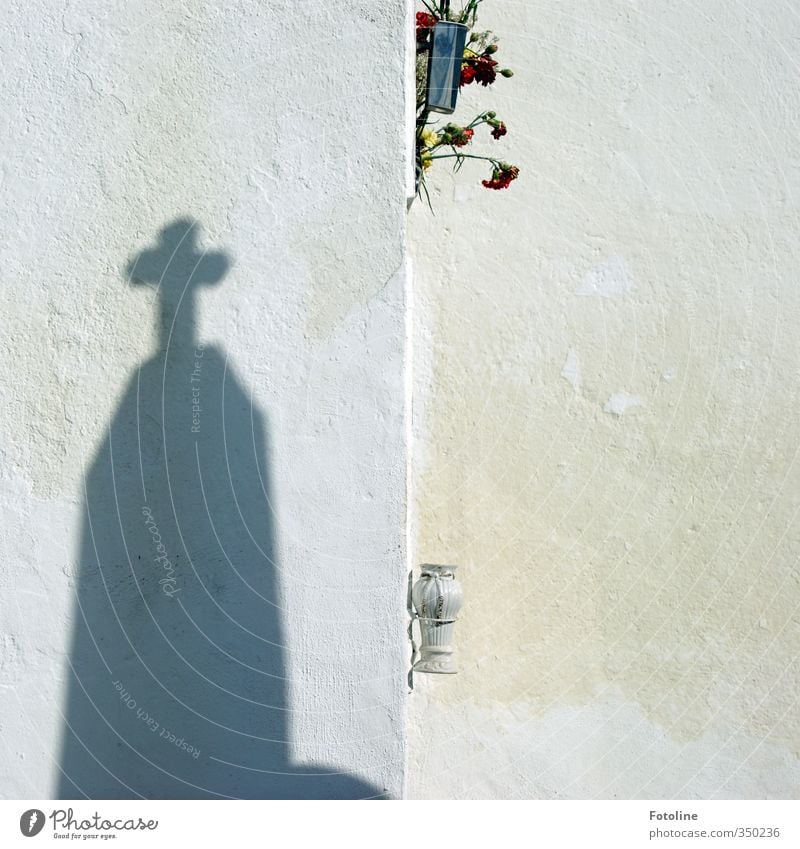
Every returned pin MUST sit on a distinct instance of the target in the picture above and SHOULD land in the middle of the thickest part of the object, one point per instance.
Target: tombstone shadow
(177, 674)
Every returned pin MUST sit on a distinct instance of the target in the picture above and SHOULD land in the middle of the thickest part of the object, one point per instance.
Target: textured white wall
(606, 396)
(278, 129)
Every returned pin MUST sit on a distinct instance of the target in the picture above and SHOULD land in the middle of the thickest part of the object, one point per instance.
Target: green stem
(478, 121)
(495, 162)
(422, 118)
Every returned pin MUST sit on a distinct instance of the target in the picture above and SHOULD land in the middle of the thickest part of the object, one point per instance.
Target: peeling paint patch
(609, 279)
(10, 660)
(572, 370)
(619, 402)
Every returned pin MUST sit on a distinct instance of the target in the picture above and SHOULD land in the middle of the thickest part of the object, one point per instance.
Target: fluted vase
(437, 597)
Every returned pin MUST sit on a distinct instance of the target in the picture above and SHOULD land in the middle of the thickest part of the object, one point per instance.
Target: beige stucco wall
(605, 412)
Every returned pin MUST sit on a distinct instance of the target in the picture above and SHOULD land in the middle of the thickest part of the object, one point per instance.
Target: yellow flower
(427, 160)
(430, 138)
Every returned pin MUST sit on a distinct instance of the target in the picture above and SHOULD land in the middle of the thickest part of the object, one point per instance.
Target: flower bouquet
(478, 66)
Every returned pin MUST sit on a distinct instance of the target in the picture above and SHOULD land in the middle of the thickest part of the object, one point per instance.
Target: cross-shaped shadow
(177, 683)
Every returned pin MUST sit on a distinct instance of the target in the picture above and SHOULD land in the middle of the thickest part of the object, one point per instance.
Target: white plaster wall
(279, 128)
(605, 412)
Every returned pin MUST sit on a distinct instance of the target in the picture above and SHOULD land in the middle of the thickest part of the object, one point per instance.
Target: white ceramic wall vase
(437, 597)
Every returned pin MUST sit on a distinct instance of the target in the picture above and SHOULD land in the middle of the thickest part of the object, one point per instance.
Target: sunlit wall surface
(203, 568)
(606, 411)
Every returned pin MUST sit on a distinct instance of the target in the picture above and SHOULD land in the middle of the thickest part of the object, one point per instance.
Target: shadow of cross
(177, 267)
(177, 685)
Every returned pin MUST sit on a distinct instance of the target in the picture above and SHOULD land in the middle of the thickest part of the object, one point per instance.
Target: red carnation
(425, 23)
(485, 70)
(464, 137)
(502, 176)
(499, 131)
(467, 74)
